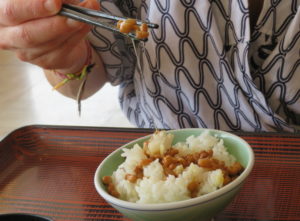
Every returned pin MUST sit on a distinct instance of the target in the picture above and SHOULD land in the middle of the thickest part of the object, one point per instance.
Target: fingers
(32, 34)
(32, 55)
(66, 55)
(13, 12)
(92, 4)
(72, 1)
(37, 31)
(46, 41)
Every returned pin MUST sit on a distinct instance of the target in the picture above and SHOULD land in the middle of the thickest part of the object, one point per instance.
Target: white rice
(155, 186)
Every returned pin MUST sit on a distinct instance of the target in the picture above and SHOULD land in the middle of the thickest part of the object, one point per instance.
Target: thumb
(13, 12)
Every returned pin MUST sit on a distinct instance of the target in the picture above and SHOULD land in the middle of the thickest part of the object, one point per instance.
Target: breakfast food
(130, 25)
(160, 171)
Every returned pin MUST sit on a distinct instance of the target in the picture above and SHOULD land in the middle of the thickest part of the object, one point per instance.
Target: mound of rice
(155, 186)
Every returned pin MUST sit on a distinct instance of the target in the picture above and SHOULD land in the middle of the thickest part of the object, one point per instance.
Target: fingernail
(50, 6)
(73, 23)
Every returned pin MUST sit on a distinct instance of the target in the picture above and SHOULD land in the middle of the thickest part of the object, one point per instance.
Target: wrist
(79, 74)
(79, 64)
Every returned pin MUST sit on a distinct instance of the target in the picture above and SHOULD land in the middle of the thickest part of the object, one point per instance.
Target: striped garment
(204, 67)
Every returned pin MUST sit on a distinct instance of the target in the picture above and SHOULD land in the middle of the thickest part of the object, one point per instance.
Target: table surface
(49, 170)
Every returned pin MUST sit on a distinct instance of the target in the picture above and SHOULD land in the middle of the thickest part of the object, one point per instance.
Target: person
(229, 65)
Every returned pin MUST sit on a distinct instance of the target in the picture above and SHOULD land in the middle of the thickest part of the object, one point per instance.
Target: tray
(49, 170)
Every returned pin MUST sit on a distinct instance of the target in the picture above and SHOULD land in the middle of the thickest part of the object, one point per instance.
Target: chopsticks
(90, 16)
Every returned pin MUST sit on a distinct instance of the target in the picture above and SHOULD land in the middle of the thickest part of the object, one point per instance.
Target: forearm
(96, 78)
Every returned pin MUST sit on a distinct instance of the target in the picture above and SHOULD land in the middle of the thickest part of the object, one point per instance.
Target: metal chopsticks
(92, 17)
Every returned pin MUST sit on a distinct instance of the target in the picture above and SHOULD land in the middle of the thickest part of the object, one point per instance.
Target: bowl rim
(183, 203)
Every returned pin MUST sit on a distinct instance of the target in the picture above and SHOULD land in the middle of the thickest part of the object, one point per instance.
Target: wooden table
(49, 170)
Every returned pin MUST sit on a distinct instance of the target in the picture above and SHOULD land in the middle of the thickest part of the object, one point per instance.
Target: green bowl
(204, 207)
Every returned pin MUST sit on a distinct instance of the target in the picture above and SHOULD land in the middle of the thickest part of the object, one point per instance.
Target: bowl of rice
(185, 174)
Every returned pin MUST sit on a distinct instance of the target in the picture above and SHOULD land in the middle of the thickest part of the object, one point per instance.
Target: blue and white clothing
(203, 67)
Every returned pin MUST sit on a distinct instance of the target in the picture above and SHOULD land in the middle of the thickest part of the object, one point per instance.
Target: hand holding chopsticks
(90, 16)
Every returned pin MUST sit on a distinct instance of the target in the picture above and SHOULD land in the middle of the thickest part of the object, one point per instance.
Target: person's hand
(32, 30)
